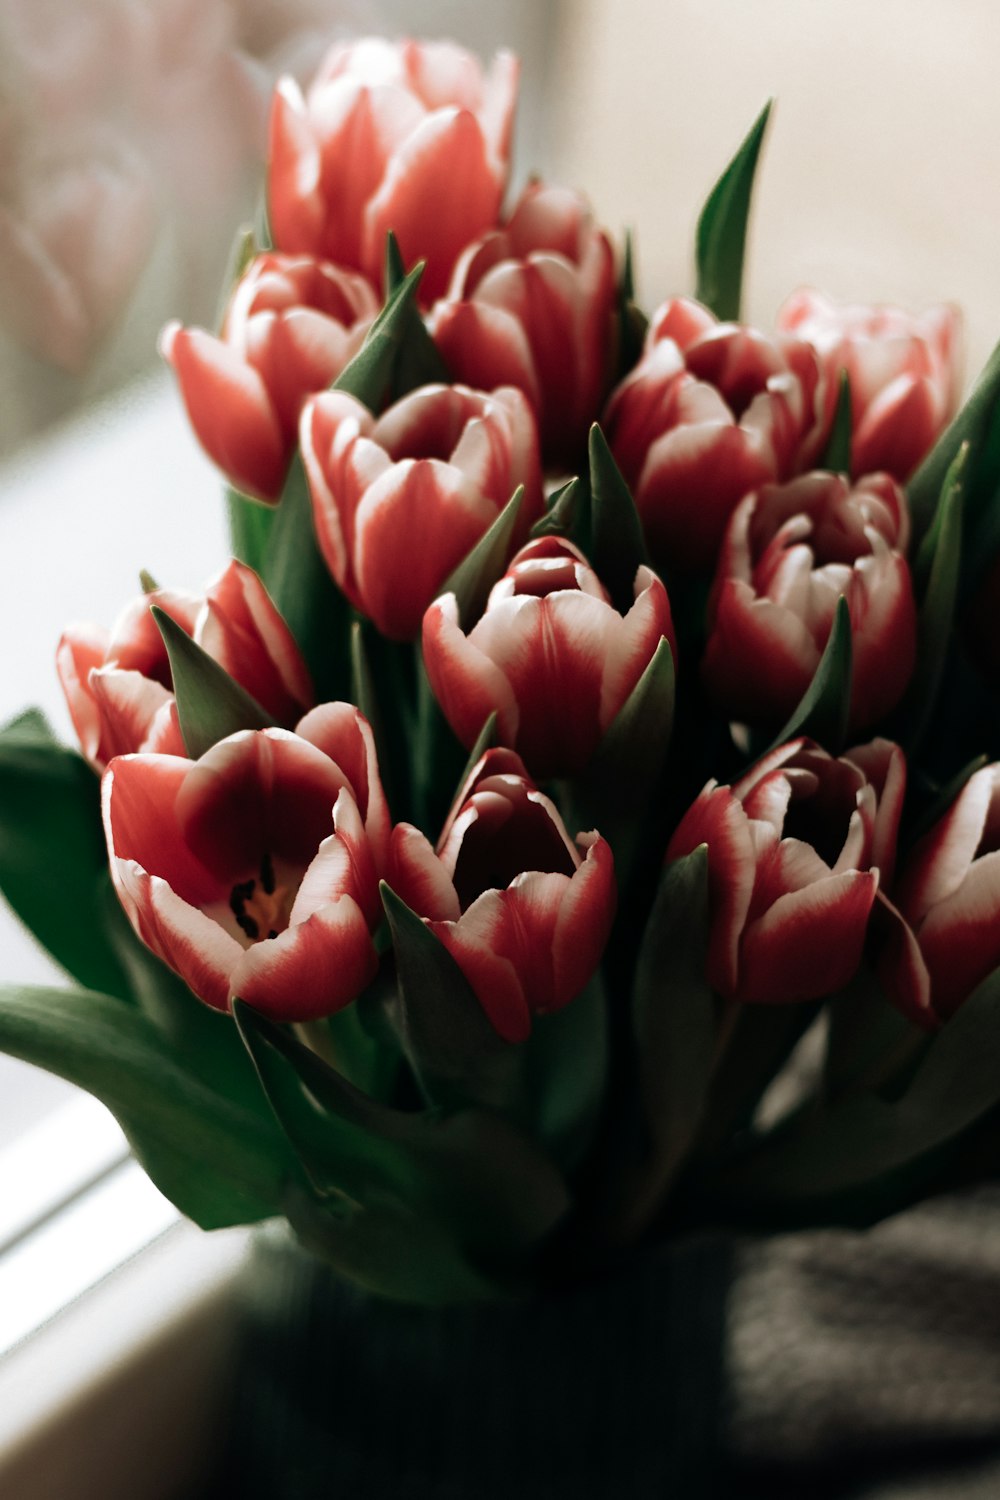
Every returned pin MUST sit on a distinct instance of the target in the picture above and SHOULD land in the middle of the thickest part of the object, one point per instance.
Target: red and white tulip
(399, 500)
(253, 871)
(789, 553)
(551, 655)
(523, 910)
(291, 326)
(404, 136)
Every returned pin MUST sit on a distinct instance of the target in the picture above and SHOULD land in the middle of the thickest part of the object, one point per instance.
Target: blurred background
(131, 134)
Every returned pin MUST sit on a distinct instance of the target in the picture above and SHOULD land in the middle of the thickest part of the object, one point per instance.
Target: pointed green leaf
(250, 526)
(300, 585)
(219, 1164)
(567, 514)
(456, 1054)
(53, 856)
(632, 321)
(863, 1138)
(565, 1060)
(369, 376)
(972, 425)
(837, 458)
(419, 360)
(940, 804)
(479, 570)
(868, 1039)
(826, 703)
(674, 1024)
(617, 547)
(938, 568)
(147, 582)
(241, 253)
(395, 268)
(486, 740)
(210, 705)
(722, 227)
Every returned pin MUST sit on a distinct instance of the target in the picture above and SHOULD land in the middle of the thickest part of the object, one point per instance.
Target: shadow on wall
(132, 135)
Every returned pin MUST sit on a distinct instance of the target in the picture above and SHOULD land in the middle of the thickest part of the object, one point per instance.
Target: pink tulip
(292, 325)
(902, 368)
(398, 501)
(533, 305)
(790, 551)
(406, 136)
(711, 412)
(253, 872)
(792, 851)
(117, 683)
(942, 930)
(551, 655)
(521, 909)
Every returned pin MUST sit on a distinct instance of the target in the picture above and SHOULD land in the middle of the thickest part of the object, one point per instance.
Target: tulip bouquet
(573, 814)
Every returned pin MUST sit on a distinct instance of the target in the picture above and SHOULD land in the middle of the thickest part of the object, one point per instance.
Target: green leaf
(632, 321)
(862, 1139)
(250, 525)
(675, 1026)
(617, 548)
(868, 1039)
(825, 706)
(242, 251)
(616, 791)
(940, 804)
(219, 1164)
(395, 268)
(210, 705)
(971, 425)
(419, 361)
(565, 1060)
(370, 374)
(474, 1193)
(300, 585)
(457, 1056)
(147, 582)
(938, 565)
(567, 514)
(837, 457)
(53, 855)
(485, 740)
(479, 569)
(722, 227)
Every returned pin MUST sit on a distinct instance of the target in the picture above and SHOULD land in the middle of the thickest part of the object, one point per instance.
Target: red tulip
(292, 325)
(711, 412)
(903, 373)
(253, 872)
(551, 655)
(521, 909)
(942, 930)
(533, 305)
(407, 136)
(791, 866)
(118, 685)
(399, 501)
(789, 553)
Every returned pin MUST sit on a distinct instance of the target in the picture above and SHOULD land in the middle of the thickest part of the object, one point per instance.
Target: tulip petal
(139, 795)
(474, 943)
(466, 683)
(419, 877)
(313, 968)
(586, 913)
(809, 943)
(960, 936)
(717, 819)
(194, 945)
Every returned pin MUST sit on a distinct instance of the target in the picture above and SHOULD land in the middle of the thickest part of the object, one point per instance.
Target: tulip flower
(117, 683)
(790, 551)
(902, 369)
(941, 934)
(407, 136)
(711, 412)
(523, 910)
(551, 655)
(291, 326)
(791, 867)
(400, 500)
(533, 305)
(253, 871)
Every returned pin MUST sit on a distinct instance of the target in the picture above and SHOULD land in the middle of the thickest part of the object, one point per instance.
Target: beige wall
(881, 177)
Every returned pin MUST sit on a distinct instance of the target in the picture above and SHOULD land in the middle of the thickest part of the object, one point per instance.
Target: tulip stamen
(261, 907)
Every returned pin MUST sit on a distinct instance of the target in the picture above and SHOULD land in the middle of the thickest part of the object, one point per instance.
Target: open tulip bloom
(593, 707)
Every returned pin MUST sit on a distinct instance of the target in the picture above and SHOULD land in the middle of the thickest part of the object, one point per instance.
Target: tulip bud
(253, 872)
(533, 305)
(523, 910)
(902, 369)
(118, 685)
(789, 553)
(792, 879)
(291, 326)
(405, 136)
(551, 655)
(400, 500)
(711, 412)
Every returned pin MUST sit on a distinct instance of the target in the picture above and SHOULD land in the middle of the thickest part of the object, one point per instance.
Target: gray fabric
(850, 1353)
